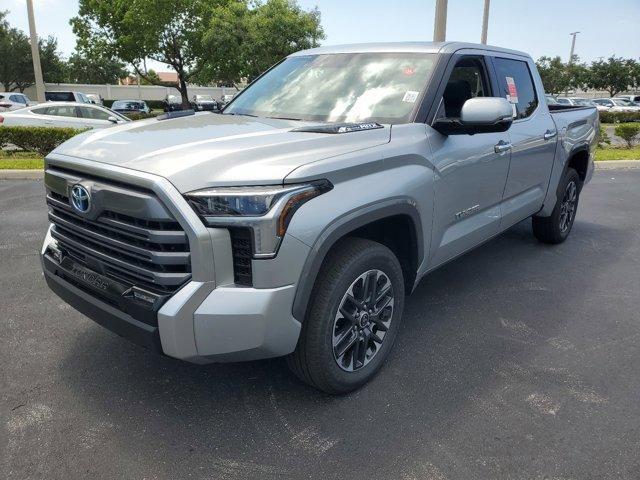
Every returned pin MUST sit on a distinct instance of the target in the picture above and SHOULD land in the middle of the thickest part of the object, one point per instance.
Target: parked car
(63, 114)
(130, 106)
(551, 100)
(564, 101)
(95, 98)
(66, 97)
(613, 105)
(582, 102)
(204, 102)
(295, 222)
(626, 102)
(225, 99)
(13, 101)
(631, 98)
(172, 103)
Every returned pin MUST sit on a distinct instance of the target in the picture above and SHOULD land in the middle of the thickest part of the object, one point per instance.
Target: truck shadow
(479, 336)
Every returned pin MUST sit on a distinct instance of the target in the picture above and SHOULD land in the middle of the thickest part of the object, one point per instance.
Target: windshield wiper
(241, 114)
(286, 118)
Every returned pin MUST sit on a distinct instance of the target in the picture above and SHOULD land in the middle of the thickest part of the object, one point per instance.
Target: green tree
(167, 31)
(16, 68)
(96, 68)
(614, 75)
(558, 77)
(153, 77)
(245, 39)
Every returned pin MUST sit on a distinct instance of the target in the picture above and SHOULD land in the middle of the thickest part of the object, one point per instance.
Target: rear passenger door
(532, 136)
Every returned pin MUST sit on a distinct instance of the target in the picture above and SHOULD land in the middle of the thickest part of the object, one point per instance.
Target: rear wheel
(353, 318)
(556, 227)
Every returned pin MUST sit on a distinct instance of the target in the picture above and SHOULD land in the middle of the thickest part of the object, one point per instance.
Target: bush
(619, 117)
(603, 139)
(141, 115)
(628, 132)
(41, 140)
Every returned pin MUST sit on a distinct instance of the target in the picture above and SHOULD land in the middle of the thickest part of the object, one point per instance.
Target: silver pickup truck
(295, 222)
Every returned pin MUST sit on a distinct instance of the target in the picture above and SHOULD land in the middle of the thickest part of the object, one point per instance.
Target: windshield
(354, 87)
(621, 103)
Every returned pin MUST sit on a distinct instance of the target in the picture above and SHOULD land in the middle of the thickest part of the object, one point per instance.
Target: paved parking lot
(517, 361)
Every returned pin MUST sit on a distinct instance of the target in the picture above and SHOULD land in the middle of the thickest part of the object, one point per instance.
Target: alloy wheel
(362, 320)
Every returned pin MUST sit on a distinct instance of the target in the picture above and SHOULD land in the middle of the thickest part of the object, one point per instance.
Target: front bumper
(208, 319)
(199, 323)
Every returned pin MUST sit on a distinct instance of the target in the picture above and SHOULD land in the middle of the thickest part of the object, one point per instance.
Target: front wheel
(353, 318)
(556, 227)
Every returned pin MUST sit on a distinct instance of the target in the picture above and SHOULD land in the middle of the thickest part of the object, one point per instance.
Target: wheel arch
(371, 222)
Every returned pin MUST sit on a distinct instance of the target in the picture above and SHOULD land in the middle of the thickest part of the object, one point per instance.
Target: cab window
(61, 111)
(468, 79)
(516, 83)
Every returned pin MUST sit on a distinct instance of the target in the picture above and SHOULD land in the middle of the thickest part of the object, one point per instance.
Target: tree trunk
(182, 88)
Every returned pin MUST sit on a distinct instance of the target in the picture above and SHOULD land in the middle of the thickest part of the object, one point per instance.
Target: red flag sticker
(513, 91)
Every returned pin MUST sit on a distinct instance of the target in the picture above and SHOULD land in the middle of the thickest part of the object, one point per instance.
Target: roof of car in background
(406, 47)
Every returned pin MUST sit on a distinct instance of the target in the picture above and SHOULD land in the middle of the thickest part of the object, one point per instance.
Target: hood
(206, 150)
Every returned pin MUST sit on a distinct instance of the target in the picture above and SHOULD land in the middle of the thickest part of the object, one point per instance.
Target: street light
(485, 22)
(440, 23)
(573, 46)
(35, 53)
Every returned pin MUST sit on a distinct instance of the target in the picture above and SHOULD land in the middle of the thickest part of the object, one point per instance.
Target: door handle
(502, 147)
(549, 134)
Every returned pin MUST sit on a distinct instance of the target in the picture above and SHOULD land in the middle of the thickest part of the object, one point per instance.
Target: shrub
(41, 140)
(628, 132)
(141, 115)
(619, 117)
(603, 138)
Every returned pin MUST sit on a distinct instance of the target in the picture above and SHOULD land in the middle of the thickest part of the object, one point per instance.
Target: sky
(538, 27)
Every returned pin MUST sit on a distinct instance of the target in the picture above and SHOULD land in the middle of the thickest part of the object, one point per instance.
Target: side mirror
(478, 115)
(112, 119)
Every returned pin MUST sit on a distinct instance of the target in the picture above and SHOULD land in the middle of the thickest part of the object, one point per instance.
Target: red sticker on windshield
(408, 71)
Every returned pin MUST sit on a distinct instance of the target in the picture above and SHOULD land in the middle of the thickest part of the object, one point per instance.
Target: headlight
(267, 211)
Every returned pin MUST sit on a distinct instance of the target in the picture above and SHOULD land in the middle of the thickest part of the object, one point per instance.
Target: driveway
(516, 361)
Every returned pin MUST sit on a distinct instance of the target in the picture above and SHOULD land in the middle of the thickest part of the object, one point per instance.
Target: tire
(326, 332)
(556, 227)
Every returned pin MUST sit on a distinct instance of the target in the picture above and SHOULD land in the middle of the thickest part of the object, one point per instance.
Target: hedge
(41, 140)
(619, 117)
(141, 115)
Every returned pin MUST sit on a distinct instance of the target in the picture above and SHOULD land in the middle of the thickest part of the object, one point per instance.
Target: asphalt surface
(516, 361)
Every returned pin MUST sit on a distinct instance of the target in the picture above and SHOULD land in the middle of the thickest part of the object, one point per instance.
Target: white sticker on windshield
(410, 96)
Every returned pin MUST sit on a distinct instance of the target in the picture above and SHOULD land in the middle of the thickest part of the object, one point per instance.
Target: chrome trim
(202, 262)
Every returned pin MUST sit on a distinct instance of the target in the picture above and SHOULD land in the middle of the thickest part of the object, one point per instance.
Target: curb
(616, 164)
(21, 174)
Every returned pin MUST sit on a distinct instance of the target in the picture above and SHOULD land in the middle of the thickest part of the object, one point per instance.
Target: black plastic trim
(341, 228)
(102, 313)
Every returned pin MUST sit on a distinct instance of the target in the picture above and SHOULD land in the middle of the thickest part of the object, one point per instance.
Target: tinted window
(94, 113)
(59, 96)
(18, 99)
(514, 79)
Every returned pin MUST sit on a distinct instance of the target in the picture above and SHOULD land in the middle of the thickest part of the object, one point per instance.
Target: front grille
(134, 248)
(242, 249)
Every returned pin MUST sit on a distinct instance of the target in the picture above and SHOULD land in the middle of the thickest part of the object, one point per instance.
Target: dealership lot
(517, 361)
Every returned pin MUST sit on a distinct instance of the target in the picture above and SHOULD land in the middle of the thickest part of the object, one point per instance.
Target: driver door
(470, 170)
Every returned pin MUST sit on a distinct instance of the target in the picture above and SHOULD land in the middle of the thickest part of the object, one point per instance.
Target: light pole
(35, 53)
(440, 23)
(485, 22)
(573, 46)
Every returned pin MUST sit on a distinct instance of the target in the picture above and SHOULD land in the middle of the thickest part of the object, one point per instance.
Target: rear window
(59, 96)
(517, 86)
